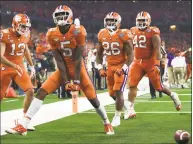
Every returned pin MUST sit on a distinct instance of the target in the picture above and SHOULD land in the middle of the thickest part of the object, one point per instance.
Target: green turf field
(156, 122)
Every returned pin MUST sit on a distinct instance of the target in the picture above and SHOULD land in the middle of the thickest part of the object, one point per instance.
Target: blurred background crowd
(173, 18)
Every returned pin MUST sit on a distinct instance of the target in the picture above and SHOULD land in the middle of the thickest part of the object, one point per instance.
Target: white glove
(77, 23)
(33, 72)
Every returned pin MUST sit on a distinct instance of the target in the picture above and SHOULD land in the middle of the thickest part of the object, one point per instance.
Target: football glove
(102, 72)
(72, 86)
(33, 72)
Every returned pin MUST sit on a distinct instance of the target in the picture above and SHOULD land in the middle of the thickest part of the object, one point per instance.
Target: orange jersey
(66, 43)
(142, 41)
(113, 45)
(15, 46)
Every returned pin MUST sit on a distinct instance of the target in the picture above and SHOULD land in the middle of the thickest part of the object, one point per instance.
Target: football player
(118, 47)
(13, 48)
(147, 57)
(67, 42)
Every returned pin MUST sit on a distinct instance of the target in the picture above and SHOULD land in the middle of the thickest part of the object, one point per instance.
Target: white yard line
(10, 100)
(56, 110)
(159, 112)
(185, 94)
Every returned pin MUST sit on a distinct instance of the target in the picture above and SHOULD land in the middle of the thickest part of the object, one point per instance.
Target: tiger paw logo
(18, 18)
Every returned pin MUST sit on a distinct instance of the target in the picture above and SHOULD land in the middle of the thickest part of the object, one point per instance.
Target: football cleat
(109, 129)
(176, 100)
(18, 129)
(116, 121)
(129, 114)
(30, 127)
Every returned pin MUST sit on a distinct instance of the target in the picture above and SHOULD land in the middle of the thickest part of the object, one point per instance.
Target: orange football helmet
(63, 15)
(112, 21)
(143, 20)
(21, 24)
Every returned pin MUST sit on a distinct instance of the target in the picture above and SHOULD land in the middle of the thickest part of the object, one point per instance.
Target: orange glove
(102, 73)
(72, 86)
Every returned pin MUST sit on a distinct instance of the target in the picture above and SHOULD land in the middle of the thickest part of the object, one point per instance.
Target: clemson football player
(147, 57)
(13, 49)
(67, 42)
(117, 44)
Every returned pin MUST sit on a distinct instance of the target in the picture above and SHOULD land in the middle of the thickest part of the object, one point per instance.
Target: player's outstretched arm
(78, 59)
(99, 54)
(99, 60)
(30, 62)
(156, 40)
(61, 65)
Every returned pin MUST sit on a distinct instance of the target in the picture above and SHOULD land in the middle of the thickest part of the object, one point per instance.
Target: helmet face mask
(143, 20)
(142, 23)
(111, 24)
(112, 21)
(23, 29)
(62, 16)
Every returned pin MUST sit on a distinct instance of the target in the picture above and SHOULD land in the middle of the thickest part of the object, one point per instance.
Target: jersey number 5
(139, 42)
(111, 48)
(66, 51)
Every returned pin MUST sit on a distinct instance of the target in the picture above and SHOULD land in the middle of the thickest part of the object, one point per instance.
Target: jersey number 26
(111, 48)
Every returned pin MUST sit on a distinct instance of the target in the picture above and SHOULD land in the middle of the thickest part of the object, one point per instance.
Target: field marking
(148, 96)
(160, 112)
(184, 94)
(148, 101)
(11, 100)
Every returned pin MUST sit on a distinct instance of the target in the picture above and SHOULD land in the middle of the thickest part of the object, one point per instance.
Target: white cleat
(176, 101)
(116, 121)
(129, 114)
(30, 127)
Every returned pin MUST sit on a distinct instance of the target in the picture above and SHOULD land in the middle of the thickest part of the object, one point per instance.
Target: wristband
(99, 66)
(76, 82)
(125, 67)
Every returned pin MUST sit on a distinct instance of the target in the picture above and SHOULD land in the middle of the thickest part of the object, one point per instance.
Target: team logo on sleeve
(121, 34)
(148, 30)
(76, 31)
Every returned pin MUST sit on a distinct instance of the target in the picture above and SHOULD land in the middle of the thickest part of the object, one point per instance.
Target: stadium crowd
(92, 19)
